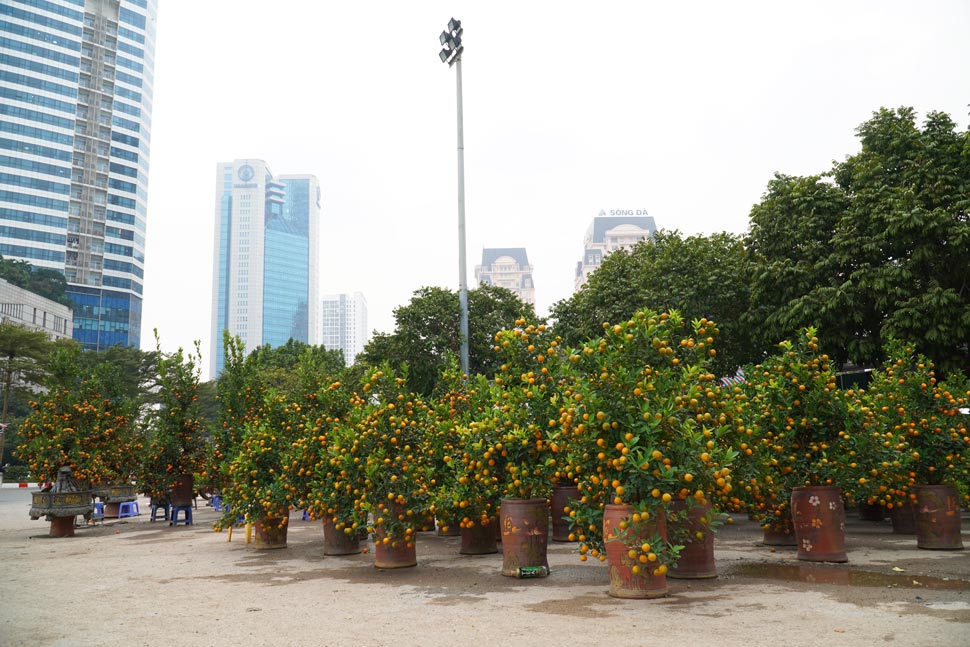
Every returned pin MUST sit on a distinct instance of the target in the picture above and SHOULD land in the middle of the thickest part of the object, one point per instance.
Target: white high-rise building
(76, 82)
(265, 266)
(507, 267)
(620, 229)
(344, 324)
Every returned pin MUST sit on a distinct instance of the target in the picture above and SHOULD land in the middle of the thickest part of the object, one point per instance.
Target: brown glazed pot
(937, 517)
(62, 527)
(903, 516)
(781, 533)
(818, 516)
(871, 512)
(525, 537)
(697, 558)
(561, 494)
(776, 537)
(394, 554)
(338, 542)
(624, 583)
(183, 492)
(479, 539)
(270, 533)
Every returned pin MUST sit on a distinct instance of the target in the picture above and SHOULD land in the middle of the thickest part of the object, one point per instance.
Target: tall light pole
(451, 54)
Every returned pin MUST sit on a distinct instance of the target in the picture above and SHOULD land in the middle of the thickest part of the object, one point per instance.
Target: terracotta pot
(447, 529)
(624, 583)
(818, 516)
(479, 539)
(270, 533)
(903, 516)
(62, 527)
(779, 537)
(697, 557)
(394, 554)
(183, 492)
(561, 494)
(525, 537)
(937, 517)
(871, 512)
(338, 542)
(781, 532)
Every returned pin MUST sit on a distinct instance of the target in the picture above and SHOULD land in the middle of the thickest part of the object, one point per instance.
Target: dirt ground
(133, 582)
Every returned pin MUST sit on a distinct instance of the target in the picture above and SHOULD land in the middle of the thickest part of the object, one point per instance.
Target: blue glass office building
(264, 279)
(76, 80)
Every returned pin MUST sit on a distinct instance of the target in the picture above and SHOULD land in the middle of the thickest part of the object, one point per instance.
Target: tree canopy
(427, 333)
(44, 281)
(700, 276)
(878, 247)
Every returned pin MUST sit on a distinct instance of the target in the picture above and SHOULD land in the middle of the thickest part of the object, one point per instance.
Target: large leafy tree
(136, 366)
(700, 276)
(788, 240)
(427, 333)
(23, 353)
(277, 365)
(881, 251)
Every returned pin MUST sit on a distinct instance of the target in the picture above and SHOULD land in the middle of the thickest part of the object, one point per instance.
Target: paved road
(132, 582)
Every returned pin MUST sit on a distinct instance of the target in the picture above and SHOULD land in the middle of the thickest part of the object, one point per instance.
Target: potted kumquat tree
(796, 419)
(650, 447)
(397, 474)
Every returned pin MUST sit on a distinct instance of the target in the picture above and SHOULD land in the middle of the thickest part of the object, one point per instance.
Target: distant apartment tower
(344, 324)
(264, 277)
(76, 83)
(621, 229)
(507, 267)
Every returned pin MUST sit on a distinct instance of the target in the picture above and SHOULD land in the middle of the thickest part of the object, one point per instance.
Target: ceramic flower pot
(478, 539)
(525, 537)
(903, 516)
(561, 494)
(697, 557)
(338, 542)
(270, 533)
(394, 553)
(937, 517)
(624, 582)
(818, 515)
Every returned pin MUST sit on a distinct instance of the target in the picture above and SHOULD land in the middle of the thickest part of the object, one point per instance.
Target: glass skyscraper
(76, 79)
(264, 278)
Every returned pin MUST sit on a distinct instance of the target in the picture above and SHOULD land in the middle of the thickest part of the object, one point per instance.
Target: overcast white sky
(684, 109)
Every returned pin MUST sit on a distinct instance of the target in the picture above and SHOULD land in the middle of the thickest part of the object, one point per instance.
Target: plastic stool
(128, 509)
(186, 517)
(306, 515)
(217, 503)
(164, 507)
(98, 513)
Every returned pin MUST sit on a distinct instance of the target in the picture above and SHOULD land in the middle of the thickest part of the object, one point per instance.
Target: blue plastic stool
(186, 517)
(217, 503)
(128, 509)
(164, 507)
(98, 513)
(306, 515)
